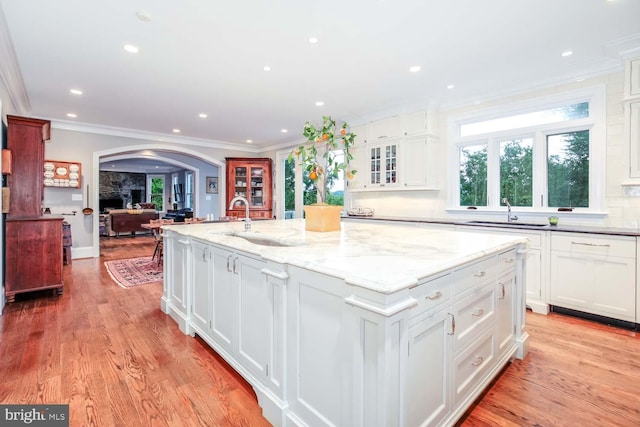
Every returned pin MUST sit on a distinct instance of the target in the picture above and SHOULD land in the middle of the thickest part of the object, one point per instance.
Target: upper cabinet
(632, 114)
(396, 153)
(25, 140)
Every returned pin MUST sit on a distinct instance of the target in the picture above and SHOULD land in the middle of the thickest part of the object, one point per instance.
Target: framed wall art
(212, 184)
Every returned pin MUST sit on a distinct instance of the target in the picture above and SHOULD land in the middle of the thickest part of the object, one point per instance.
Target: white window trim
(164, 190)
(596, 123)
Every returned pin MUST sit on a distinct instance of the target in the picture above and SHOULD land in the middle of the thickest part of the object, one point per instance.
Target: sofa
(118, 221)
(179, 215)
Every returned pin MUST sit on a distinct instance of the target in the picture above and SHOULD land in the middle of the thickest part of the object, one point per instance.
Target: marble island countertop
(381, 257)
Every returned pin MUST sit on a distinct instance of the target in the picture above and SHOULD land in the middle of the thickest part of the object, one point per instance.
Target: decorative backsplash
(62, 174)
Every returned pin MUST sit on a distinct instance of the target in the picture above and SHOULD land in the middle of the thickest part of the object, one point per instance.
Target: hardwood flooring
(117, 360)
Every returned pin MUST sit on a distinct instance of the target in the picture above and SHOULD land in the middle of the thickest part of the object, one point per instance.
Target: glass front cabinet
(249, 178)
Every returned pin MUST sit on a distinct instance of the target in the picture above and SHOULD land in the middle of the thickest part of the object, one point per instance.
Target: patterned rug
(134, 271)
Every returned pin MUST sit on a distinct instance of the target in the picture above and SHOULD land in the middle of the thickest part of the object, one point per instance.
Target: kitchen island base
(321, 347)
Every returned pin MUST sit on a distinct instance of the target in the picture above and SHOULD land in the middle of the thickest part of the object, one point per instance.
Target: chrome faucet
(510, 218)
(247, 221)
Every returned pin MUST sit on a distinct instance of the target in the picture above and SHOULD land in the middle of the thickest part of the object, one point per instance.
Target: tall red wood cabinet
(250, 178)
(33, 252)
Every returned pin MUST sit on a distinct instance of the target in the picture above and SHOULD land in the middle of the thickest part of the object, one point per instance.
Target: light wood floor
(119, 361)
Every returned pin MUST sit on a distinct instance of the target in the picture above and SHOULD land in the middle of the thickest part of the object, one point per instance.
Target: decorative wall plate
(73, 176)
(48, 182)
(61, 171)
(73, 183)
(48, 174)
(74, 168)
(49, 166)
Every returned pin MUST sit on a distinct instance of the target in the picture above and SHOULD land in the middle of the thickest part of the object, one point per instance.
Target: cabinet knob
(477, 361)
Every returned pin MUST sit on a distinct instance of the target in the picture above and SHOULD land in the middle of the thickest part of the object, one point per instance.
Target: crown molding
(148, 136)
(10, 74)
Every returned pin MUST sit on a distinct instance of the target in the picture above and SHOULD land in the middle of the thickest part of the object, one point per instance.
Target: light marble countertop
(381, 257)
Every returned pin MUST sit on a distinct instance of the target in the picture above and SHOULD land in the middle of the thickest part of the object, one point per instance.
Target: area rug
(134, 271)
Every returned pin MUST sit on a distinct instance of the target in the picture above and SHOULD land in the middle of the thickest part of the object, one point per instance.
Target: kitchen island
(374, 325)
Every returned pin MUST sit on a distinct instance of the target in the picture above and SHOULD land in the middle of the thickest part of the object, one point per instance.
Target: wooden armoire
(33, 252)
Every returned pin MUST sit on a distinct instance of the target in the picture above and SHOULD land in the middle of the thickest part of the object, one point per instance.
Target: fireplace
(116, 203)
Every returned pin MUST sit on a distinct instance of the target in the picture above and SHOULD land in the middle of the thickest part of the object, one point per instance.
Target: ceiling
(198, 56)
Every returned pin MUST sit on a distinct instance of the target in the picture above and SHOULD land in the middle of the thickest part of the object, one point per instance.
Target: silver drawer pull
(438, 295)
(604, 245)
(503, 290)
(509, 260)
(480, 274)
(477, 361)
(453, 324)
(478, 312)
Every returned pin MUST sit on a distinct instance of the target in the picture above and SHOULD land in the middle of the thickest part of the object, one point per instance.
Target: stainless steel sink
(507, 224)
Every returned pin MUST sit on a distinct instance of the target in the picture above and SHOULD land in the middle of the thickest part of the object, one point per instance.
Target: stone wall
(128, 186)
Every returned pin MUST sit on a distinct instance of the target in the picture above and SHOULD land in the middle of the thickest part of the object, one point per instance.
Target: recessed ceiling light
(284, 130)
(157, 166)
(143, 16)
(319, 103)
(176, 130)
(266, 68)
(249, 141)
(567, 53)
(450, 86)
(131, 48)
(202, 115)
(313, 39)
(75, 91)
(414, 69)
(72, 115)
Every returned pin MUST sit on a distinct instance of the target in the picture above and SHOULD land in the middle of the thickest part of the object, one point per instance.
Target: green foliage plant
(318, 154)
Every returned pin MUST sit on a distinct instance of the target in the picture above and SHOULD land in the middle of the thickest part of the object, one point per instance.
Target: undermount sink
(266, 241)
(505, 223)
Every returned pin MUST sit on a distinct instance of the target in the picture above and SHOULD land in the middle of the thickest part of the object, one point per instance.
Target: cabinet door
(428, 371)
(255, 315)
(419, 165)
(382, 165)
(224, 306)
(505, 335)
(176, 253)
(361, 164)
(389, 127)
(594, 284)
(201, 288)
(533, 275)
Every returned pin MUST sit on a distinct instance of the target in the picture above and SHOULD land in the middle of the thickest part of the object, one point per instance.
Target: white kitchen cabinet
(632, 114)
(420, 122)
(429, 370)
(387, 128)
(505, 333)
(380, 169)
(536, 277)
(201, 288)
(177, 277)
(594, 274)
(420, 163)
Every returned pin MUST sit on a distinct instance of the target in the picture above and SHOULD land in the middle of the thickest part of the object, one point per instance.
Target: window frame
(595, 123)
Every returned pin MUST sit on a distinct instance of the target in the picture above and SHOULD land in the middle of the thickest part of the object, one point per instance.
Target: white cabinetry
(387, 128)
(420, 163)
(177, 278)
(536, 276)
(594, 273)
(396, 153)
(462, 328)
(632, 114)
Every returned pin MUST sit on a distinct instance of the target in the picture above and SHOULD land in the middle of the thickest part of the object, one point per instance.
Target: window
(156, 183)
(188, 193)
(539, 159)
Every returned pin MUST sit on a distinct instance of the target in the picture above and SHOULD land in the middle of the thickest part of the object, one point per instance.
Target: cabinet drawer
(623, 247)
(474, 313)
(431, 294)
(471, 366)
(475, 275)
(507, 261)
